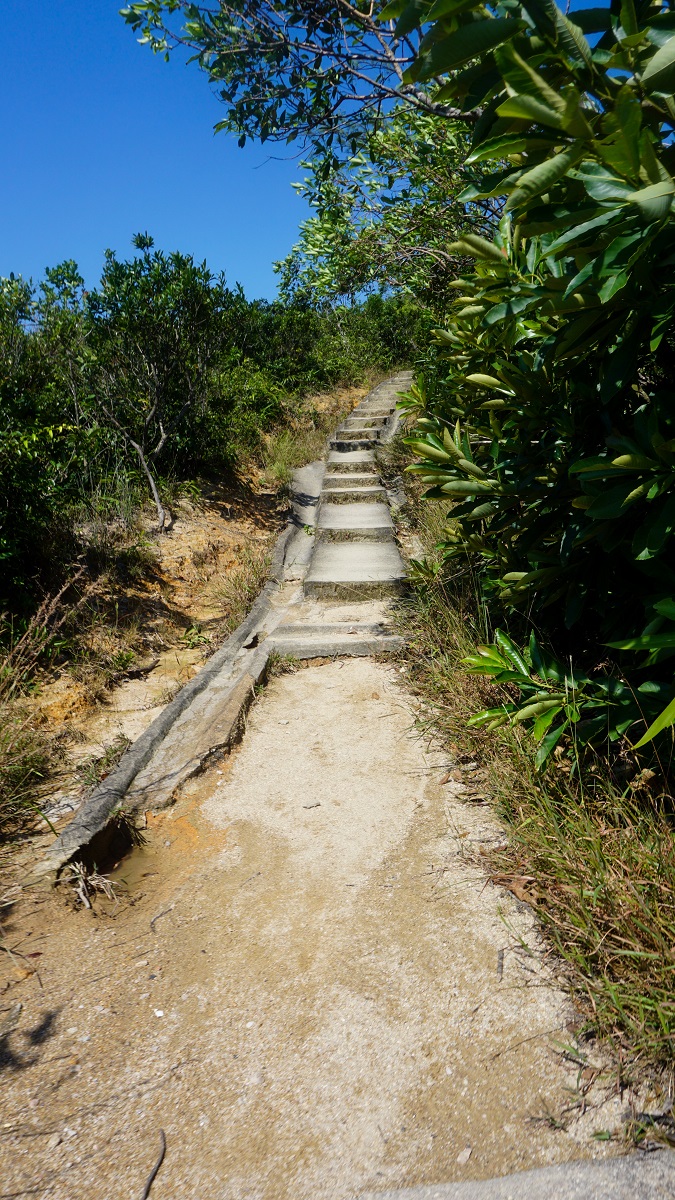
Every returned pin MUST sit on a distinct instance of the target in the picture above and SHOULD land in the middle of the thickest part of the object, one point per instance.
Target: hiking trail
(311, 987)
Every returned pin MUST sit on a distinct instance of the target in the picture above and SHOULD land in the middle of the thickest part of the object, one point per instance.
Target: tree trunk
(161, 513)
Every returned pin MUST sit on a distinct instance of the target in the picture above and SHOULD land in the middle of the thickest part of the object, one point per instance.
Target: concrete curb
(637, 1176)
(97, 810)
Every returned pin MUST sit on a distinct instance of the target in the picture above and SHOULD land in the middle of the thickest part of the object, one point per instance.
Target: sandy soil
(305, 983)
(176, 616)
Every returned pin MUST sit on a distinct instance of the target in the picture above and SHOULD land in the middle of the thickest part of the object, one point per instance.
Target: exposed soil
(305, 983)
(171, 617)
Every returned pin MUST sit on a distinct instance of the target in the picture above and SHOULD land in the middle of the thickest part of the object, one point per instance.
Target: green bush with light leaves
(551, 427)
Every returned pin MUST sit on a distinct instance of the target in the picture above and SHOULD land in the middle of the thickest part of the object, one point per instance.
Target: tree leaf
(542, 177)
(664, 719)
(469, 41)
(659, 74)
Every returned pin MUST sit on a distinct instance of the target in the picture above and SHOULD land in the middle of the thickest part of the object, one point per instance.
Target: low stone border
(98, 810)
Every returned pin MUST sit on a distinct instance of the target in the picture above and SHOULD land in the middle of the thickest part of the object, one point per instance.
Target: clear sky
(100, 139)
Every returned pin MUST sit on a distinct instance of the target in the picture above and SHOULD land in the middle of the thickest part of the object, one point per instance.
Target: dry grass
(595, 859)
(304, 439)
(236, 590)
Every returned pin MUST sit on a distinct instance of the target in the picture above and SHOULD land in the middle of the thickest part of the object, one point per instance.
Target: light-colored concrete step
(351, 460)
(342, 443)
(355, 569)
(355, 422)
(343, 522)
(311, 641)
(347, 434)
(349, 479)
(353, 495)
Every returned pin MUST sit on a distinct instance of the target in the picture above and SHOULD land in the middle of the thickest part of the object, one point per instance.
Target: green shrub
(548, 417)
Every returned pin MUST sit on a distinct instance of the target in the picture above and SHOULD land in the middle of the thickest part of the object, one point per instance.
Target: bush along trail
(543, 427)
(300, 982)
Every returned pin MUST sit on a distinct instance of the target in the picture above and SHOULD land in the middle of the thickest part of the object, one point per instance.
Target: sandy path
(315, 1010)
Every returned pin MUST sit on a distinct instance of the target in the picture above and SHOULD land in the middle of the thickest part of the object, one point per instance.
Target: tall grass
(238, 588)
(594, 856)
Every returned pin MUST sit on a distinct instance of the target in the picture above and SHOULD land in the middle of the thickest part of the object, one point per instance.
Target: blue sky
(100, 139)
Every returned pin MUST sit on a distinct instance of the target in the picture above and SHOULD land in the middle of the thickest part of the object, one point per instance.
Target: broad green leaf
(655, 201)
(612, 502)
(544, 720)
(573, 41)
(659, 74)
(620, 148)
(663, 721)
(628, 18)
(592, 20)
(392, 11)
(424, 450)
(477, 247)
(443, 8)
(469, 41)
(646, 641)
(549, 742)
(543, 177)
(506, 146)
(666, 608)
(512, 652)
(521, 79)
(410, 18)
(656, 531)
(528, 108)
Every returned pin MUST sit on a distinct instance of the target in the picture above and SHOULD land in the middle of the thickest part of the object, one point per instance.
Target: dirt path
(303, 987)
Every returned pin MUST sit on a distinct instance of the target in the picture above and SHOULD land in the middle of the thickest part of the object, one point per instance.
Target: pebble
(464, 1156)
(159, 1012)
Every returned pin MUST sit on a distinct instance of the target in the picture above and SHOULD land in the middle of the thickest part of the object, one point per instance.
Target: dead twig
(155, 1169)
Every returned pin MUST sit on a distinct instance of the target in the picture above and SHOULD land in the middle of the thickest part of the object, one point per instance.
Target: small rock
(143, 962)
(54, 1141)
(464, 1156)
(159, 1012)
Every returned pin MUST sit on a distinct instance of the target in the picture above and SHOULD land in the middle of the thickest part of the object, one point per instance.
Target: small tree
(157, 333)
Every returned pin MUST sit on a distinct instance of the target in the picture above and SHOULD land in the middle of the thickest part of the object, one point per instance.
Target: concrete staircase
(354, 566)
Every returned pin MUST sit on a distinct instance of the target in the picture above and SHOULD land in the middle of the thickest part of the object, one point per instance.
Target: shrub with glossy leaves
(552, 426)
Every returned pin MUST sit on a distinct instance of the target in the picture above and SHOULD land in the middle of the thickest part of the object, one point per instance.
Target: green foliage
(323, 72)
(384, 218)
(161, 371)
(555, 699)
(548, 417)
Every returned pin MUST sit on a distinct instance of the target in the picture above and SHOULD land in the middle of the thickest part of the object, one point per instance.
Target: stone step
(355, 422)
(317, 644)
(352, 495)
(349, 479)
(351, 460)
(341, 443)
(345, 522)
(351, 570)
(355, 435)
(306, 639)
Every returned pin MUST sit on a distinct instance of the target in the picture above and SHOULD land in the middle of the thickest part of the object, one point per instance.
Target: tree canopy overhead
(384, 218)
(317, 70)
